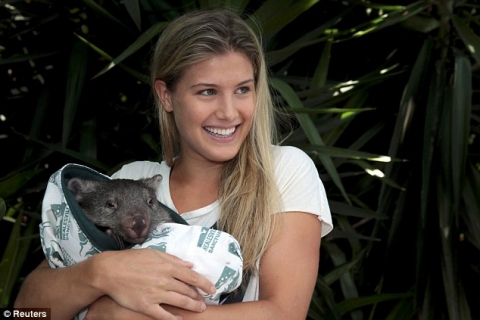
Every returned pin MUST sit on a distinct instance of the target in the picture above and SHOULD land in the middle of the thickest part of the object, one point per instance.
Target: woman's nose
(227, 109)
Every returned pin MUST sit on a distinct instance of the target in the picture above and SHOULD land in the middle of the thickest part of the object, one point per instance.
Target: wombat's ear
(76, 186)
(154, 182)
(79, 187)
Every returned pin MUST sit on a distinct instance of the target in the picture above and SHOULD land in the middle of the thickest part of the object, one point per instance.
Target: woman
(216, 117)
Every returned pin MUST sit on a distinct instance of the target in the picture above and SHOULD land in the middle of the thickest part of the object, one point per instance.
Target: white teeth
(221, 132)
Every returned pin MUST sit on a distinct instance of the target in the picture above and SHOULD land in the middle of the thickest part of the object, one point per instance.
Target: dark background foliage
(384, 98)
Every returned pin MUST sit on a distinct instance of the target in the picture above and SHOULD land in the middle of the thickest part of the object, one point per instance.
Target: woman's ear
(164, 95)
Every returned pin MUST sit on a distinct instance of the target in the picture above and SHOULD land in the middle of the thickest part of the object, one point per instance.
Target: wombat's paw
(118, 238)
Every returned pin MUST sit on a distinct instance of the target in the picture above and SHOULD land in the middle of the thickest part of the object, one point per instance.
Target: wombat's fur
(127, 209)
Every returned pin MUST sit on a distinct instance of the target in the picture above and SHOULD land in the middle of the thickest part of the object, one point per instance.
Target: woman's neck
(194, 184)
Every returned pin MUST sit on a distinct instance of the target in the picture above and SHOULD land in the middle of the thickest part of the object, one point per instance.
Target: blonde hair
(248, 193)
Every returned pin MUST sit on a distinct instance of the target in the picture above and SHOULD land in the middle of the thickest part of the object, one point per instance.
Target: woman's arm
(289, 268)
(55, 288)
(136, 279)
(288, 273)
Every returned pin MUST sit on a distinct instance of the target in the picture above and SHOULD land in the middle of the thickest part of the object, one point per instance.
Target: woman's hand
(142, 279)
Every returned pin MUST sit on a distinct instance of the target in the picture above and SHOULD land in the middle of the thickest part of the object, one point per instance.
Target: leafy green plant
(15, 254)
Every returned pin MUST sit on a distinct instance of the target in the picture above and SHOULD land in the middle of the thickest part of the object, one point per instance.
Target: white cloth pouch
(68, 236)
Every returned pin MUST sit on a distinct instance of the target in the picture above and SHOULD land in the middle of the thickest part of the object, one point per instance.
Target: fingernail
(187, 263)
(203, 307)
(213, 290)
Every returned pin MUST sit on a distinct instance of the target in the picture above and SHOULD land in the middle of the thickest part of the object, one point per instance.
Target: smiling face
(213, 105)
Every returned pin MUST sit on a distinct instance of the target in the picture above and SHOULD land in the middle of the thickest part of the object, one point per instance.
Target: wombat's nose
(139, 224)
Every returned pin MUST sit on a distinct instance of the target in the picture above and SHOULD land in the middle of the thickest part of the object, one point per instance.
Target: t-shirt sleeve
(300, 185)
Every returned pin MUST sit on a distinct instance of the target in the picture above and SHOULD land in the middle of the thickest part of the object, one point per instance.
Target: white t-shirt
(297, 179)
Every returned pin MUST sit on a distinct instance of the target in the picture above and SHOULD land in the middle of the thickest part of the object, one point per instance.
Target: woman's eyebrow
(205, 84)
(245, 82)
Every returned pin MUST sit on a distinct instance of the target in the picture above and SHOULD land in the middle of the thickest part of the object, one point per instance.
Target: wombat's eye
(150, 201)
(111, 205)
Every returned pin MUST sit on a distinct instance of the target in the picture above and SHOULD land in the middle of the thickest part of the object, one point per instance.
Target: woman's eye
(243, 90)
(207, 92)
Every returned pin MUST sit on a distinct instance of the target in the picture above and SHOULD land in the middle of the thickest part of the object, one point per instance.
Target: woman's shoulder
(300, 185)
(293, 164)
(287, 155)
(140, 169)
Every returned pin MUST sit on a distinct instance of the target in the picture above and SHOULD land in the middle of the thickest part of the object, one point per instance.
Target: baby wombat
(127, 209)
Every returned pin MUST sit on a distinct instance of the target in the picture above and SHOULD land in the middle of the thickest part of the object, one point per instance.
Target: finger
(184, 289)
(173, 258)
(181, 301)
(193, 278)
